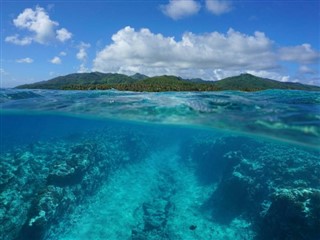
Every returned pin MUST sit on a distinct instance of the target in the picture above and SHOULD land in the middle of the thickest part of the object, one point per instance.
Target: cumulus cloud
(63, 35)
(25, 60)
(56, 60)
(218, 7)
(210, 56)
(154, 54)
(82, 55)
(303, 54)
(40, 27)
(177, 9)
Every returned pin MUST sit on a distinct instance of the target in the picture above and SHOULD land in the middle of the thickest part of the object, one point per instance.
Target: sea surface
(104, 165)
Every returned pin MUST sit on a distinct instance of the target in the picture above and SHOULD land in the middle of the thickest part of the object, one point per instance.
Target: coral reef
(274, 186)
(44, 181)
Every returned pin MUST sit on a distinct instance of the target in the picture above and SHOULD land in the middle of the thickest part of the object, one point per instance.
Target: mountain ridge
(141, 82)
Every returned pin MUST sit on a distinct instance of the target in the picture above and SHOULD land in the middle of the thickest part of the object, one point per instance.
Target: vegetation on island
(143, 83)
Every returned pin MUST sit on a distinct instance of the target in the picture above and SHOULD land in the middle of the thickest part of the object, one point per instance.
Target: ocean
(78, 165)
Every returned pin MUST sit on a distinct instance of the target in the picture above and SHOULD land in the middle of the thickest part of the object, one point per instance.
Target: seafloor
(141, 182)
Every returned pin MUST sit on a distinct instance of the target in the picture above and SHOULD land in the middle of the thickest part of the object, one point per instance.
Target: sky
(208, 39)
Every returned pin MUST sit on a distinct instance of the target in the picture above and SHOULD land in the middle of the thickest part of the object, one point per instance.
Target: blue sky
(211, 39)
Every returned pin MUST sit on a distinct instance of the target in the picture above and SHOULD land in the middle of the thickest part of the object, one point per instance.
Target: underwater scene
(78, 165)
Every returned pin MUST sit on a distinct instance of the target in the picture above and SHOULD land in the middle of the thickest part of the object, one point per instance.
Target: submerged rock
(293, 214)
(215, 156)
(156, 212)
(42, 212)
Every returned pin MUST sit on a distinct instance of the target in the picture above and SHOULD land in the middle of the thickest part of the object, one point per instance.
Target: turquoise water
(123, 165)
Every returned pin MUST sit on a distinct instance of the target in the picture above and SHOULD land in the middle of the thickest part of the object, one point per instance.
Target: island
(142, 83)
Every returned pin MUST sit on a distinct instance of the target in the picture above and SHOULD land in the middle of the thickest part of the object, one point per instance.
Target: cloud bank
(303, 54)
(210, 56)
(41, 29)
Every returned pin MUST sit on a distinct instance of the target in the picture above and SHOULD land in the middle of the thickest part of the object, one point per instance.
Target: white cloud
(40, 27)
(192, 56)
(303, 54)
(218, 7)
(63, 54)
(314, 81)
(270, 75)
(56, 60)
(25, 60)
(38, 22)
(82, 55)
(210, 56)
(82, 68)
(177, 9)
(63, 35)
(15, 40)
(306, 70)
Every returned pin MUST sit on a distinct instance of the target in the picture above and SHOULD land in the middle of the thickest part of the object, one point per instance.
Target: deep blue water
(124, 165)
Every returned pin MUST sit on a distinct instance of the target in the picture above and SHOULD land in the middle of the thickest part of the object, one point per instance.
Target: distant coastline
(142, 83)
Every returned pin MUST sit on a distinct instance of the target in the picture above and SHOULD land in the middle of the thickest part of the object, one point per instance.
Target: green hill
(248, 82)
(140, 82)
(77, 80)
(139, 76)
